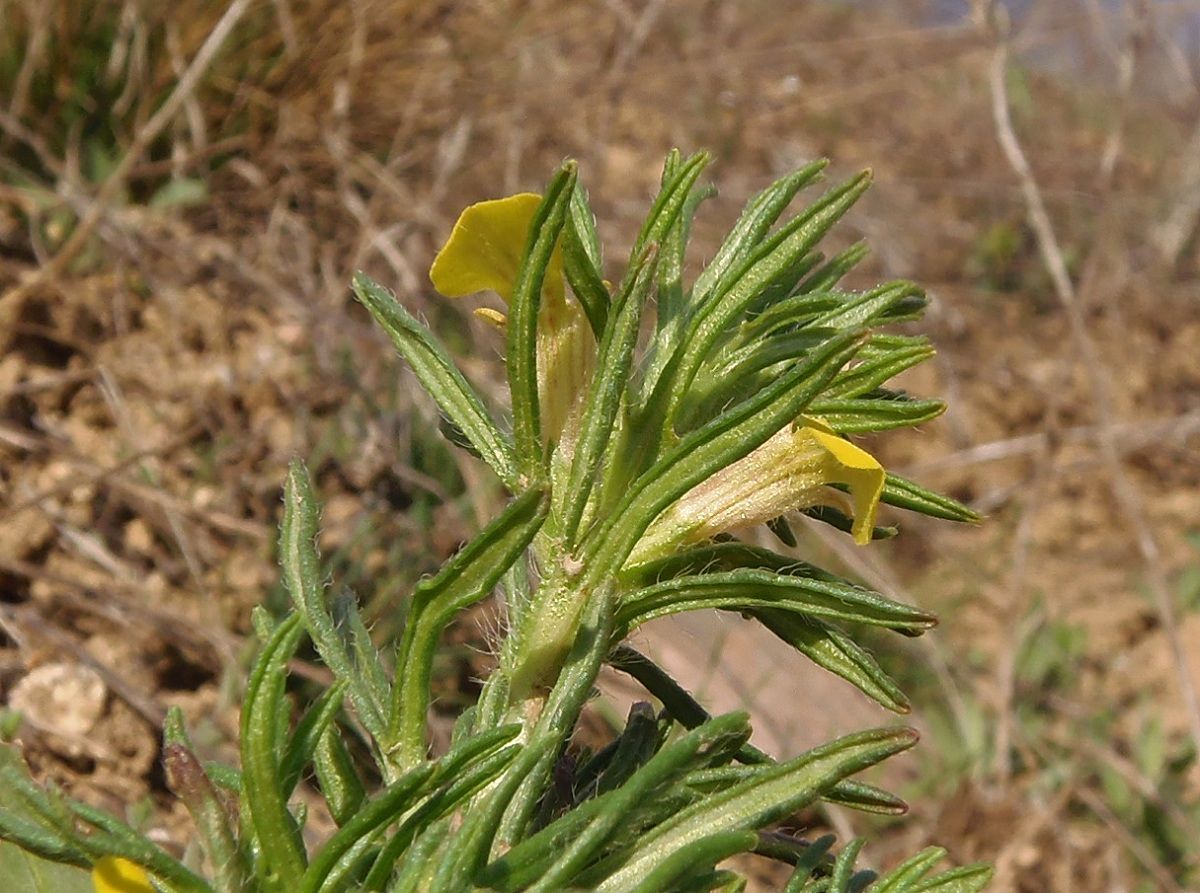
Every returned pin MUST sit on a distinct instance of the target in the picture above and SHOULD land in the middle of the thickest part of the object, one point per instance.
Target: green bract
(649, 423)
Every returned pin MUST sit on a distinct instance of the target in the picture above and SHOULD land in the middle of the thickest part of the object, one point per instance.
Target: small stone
(64, 699)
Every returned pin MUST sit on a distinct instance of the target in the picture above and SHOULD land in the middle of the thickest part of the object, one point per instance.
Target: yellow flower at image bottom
(112, 874)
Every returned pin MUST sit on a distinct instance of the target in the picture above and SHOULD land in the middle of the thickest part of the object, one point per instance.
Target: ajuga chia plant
(651, 422)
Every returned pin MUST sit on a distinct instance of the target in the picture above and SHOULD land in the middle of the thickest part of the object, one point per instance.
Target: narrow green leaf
(865, 798)
(465, 579)
(716, 445)
(870, 307)
(523, 309)
(370, 819)
(772, 258)
(788, 315)
(549, 860)
(415, 873)
(843, 867)
(906, 875)
(756, 220)
(784, 283)
(460, 785)
(582, 261)
(440, 377)
(814, 856)
(830, 273)
(749, 589)
(694, 855)
(968, 879)
(742, 372)
(671, 296)
(302, 575)
(769, 796)
(882, 358)
(110, 836)
(607, 390)
(276, 833)
(721, 556)
(397, 799)
(866, 415)
(302, 742)
(832, 649)
(905, 494)
(337, 776)
(364, 656)
(669, 203)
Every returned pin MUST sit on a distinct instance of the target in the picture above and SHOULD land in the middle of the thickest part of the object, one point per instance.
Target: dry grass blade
(146, 134)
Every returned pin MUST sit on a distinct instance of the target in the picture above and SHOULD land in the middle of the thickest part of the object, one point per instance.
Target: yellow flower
(483, 253)
(788, 472)
(112, 874)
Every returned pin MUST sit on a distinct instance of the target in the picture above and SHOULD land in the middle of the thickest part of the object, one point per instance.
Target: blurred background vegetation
(186, 188)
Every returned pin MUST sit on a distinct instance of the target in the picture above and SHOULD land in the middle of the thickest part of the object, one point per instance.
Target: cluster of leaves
(764, 342)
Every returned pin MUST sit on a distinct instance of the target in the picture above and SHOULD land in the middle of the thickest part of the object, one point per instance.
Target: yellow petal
(845, 463)
(494, 318)
(485, 248)
(112, 874)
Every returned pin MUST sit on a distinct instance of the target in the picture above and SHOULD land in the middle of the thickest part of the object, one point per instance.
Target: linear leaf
(716, 445)
(865, 798)
(329, 867)
(302, 743)
(968, 879)
(582, 261)
(830, 273)
(755, 222)
(465, 579)
(454, 793)
(551, 858)
(778, 254)
(842, 876)
(440, 377)
(676, 700)
(337, 776)
(906, 875)
(743, 590)
(607, 390)
(522, 326)
(870, 307)
(868, 414)
(832, 649)
(905, 494)
(769, 796)
(693, 856)
(881, 358)
(264, 798)
(302, 575)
